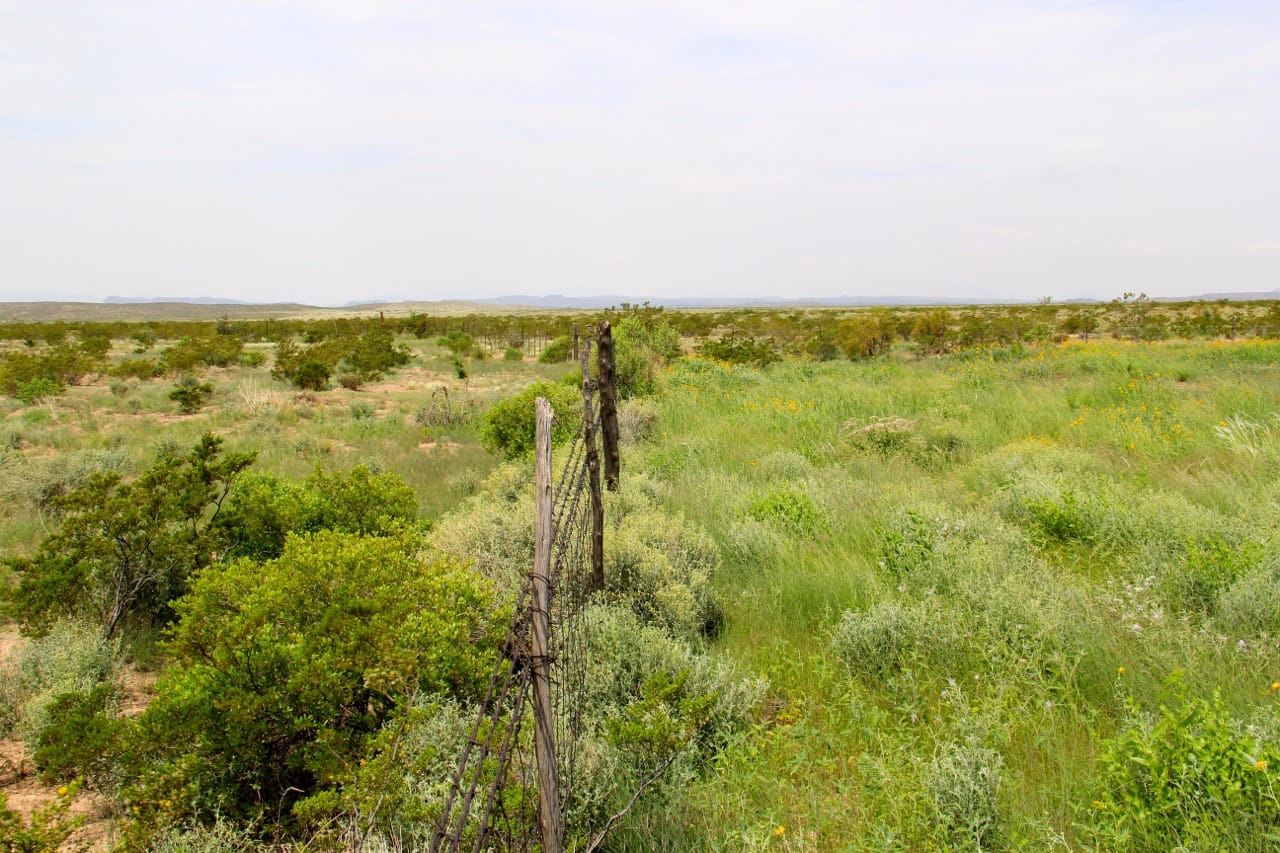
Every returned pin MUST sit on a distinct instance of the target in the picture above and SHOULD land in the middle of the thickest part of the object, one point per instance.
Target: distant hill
(212, 308)
(194, 300)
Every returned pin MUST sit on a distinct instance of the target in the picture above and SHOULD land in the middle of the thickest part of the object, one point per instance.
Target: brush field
(1017, 596)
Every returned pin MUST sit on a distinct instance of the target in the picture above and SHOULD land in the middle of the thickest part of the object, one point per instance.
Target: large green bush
(283, 671)
(263, 509)
(508, 428)
(1190, 777)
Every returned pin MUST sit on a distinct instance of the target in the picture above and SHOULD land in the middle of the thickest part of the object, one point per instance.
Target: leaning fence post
(544, 743)
(608, 405)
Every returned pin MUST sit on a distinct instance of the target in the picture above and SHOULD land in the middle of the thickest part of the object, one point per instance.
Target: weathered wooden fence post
(544, 743)
(595, 580)
(608, 404)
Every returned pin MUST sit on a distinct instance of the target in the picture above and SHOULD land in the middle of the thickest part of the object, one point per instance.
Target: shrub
(208, 351)
(252, 358)
(886, 436)
(191, 395)
(1188, 777)
(1209, 565)
(34, 390)
(125, 550)
(660, 566)
(47, 829)
(879, 642)
(351, 381)
(791, 511)
(456, 341)
(1251, 605)
(513, 354)
(82, 738)
(908, 542)
(637, 421)
(283, 672)
(263, 509)
(311, 375)
(73, 658)
(138, 368)
(508, 428)
(561, 349)
(737, 347)
(643, 342)
(963, 782)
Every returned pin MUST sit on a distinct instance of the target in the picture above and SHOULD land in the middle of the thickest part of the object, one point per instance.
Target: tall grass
(1064, 489)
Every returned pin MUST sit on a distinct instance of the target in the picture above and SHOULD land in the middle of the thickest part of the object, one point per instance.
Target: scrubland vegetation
(994, 579)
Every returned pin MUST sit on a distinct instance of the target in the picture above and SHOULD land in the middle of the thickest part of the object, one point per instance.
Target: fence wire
(492, 799)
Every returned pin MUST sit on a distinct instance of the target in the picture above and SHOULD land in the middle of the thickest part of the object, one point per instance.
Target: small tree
(312, 376)
(127, 549)
(191, 395)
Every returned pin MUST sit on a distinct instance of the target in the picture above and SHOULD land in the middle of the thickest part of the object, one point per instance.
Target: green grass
(1038, 514)
(841, 761)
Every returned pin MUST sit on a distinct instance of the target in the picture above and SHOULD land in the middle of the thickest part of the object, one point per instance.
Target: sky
(333, 151)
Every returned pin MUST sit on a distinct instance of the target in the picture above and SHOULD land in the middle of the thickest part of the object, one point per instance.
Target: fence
(540, 673)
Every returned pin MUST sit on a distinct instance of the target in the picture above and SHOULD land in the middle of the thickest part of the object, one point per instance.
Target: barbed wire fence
(499, 798)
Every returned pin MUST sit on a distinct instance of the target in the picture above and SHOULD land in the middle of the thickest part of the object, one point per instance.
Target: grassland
(987, 557)
(980, 585)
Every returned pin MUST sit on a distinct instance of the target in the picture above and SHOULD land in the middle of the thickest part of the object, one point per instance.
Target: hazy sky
(329, 151)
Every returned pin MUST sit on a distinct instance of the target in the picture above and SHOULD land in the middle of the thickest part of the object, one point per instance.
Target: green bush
(124, 550)
(660, 566)
(513, 354)
(1190, 777)
(72, 658)
(561, 349)
(205, 351)
(82, 738)
(263, 509)
(47, 829)
(1250, 607)
(456, 341)
(191, 395)
(508, 428)
(34, 390)
(737, 347)
(252, 358)
(138, 368)
(643, 342)
(283, 672)
(311, 375)
(879, 642)
(908, 542)
(1208, 566)
(791, 511)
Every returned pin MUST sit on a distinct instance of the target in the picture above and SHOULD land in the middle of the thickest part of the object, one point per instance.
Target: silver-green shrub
(660, 566)
(72, 658)
(963, 781)
(879, 642)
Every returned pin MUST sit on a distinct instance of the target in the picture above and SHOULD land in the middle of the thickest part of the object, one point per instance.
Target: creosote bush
(509, 426)
(284, 671)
